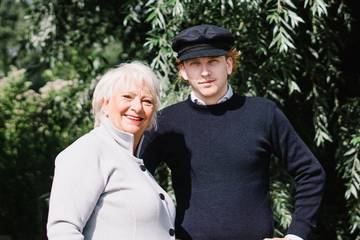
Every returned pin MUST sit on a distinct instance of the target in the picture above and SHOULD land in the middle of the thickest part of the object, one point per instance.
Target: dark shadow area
(350, 86)
(160, 148)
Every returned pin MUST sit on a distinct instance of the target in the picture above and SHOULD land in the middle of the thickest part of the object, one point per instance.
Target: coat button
(171, 232)
(162, 197)
(143, 168)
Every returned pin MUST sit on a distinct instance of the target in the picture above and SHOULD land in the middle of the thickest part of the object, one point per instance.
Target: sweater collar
(124, 139)
(226, 97)
(234, 102)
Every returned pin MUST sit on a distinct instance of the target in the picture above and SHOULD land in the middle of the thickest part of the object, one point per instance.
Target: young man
(218, 146)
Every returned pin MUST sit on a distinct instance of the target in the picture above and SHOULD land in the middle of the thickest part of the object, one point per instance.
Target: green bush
(291, 52)
(34, 128)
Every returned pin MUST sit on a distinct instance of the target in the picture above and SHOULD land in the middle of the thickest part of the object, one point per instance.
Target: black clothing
(219, 158)
(202, 41)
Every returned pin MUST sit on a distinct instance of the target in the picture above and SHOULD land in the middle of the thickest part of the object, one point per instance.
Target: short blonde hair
(121, 77)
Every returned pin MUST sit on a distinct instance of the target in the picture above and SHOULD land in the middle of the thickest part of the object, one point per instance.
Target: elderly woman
(101, 190)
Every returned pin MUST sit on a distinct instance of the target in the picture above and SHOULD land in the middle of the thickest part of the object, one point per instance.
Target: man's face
(207, 76)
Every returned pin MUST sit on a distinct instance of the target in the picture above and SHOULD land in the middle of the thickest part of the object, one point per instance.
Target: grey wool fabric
(101, 191)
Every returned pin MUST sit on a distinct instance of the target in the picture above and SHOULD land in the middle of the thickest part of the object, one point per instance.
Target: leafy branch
(285, 20)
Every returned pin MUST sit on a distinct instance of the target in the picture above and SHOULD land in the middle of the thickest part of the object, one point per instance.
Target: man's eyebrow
(192, 60)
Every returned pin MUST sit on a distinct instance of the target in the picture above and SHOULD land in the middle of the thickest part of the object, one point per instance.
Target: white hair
(123, 77)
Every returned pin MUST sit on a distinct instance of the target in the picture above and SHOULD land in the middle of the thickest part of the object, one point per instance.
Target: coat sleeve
(77, 185)
(307, 172)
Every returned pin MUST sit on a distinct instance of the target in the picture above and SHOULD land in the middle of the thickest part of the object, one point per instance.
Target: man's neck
(198, 100)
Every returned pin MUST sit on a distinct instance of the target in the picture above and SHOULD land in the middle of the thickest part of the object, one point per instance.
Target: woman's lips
(134, 118)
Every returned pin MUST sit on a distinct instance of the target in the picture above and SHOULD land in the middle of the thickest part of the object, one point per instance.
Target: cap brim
(202, 53)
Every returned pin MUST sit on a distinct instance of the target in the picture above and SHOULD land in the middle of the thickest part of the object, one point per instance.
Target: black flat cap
(202, 41)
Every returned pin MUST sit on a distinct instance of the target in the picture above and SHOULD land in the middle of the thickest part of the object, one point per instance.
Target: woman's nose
(136, 105)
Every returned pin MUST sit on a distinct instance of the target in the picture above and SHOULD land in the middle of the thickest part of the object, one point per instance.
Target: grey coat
(101, 191)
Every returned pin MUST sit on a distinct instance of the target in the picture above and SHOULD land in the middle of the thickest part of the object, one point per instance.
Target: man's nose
(205, 70)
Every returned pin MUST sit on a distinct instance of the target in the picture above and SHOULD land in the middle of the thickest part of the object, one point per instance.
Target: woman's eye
(148, 102)
(126, 96)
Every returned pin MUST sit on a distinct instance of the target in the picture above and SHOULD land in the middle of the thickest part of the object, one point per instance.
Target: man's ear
(182, 72)
(229, 65)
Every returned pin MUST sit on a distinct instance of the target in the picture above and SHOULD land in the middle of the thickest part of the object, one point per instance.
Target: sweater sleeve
(150, 150)
(307, 172)
(78, 182)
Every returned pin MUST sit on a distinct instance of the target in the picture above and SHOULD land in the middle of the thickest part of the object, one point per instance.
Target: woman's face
(131, 110)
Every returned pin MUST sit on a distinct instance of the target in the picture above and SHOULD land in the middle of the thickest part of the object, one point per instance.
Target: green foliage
(281, 192)
(291, 52)
(349, 163)
(285, 20)
(12, 30)
(89, 42)
(282, 205)
(34, 128)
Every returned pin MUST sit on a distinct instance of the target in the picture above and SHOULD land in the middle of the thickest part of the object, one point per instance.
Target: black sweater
(219, 158)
